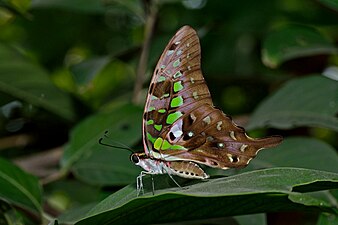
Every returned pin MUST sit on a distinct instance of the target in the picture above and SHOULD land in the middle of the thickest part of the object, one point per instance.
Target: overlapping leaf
(26, 81)
(309, 101)
(292, 42)
(19, 188)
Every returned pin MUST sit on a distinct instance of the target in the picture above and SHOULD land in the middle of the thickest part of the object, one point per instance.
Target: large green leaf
(19, 188)
(99, 164)
(252, 192)
(292, 42)
(308, 101)
(25, 80)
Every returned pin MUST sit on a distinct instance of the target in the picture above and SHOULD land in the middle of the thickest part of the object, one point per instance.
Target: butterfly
(181, 126)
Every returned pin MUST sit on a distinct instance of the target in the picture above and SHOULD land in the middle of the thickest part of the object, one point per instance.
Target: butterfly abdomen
(187, 170)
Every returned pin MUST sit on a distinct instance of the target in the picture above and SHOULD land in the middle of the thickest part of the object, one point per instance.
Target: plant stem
(148, 33)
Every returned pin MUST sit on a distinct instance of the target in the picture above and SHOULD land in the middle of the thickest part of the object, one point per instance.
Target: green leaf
(99, 164)
(19, 5)
(325, 196)
(308, 200)
(310, 101)
(299, 152)
(252, 192)
(255, 219)
(73, 215)
(19, 188)
(86, 71)
(106, 166)
(24, 80)
(327, 219)
(100, 78)
(8, 215)
(333, 4)
(90, 6)
(292, 42)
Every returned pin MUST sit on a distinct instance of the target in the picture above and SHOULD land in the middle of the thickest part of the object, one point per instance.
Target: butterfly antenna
(121, 145)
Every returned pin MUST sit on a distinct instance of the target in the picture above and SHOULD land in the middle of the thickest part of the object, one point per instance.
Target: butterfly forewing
(173, 89)
(180, 121)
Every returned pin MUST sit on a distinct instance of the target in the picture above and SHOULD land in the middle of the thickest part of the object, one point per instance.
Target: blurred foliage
(67, 74)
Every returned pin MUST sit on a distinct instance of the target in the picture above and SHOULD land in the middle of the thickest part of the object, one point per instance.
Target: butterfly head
(137, 157)
(150, 165)
(142, 160)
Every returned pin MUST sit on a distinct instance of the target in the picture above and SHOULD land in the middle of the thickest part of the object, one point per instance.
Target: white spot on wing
(232, 135)
(220, 145)
(230, 157)
(170, 52)
(210, 138)
(243, 147)
(190, 133)
(195, 95)
(178, 133)
(219, 125)
(250, 138)
(207, 120)
(193, 117)
(176, 130)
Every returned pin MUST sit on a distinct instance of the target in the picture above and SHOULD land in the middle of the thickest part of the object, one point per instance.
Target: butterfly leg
(171, 177)
(152, 184)
(139, 183)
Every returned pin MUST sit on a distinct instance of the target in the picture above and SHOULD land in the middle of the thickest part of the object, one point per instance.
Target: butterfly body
(181, 126)
(184, 169)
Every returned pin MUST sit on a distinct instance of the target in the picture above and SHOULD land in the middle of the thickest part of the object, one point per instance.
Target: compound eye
(134, 158)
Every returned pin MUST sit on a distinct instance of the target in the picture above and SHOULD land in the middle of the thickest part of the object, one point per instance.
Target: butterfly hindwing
(217, 142)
